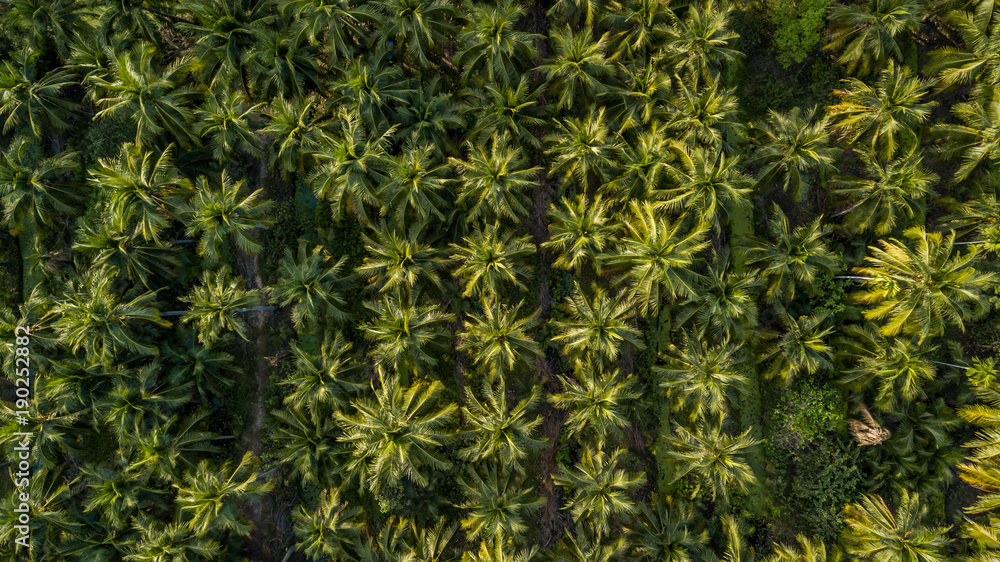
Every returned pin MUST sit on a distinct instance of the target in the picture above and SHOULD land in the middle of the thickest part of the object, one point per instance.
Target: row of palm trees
(492, 160)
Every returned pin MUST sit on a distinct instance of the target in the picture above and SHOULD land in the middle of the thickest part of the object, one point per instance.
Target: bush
(814, 465)
(797, 26)
(806, 412)
(812, 485)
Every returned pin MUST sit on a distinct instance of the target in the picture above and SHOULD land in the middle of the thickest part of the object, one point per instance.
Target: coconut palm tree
(32, 315)
(34, 191)
(872, 33)
(371, 89)
(155, 542)
(699, 44)
(597, 325)
(117, 492)
(600, 488)
(313, 281)
(170, 447)
(300, 132)
(705, 117)
(984, 537)
(431, 115)
(226, 120)
(808, 550)
(726, 305)
(919, 455)
(307, 442)
(579, 69)
(284, 65)
(897, 368)
(139, 399)
(656, 255)
(642, 98)
(211, 369)
(420, 27)
(569, 12)
(492, 260)
(38, 102)
(493, 46)
(802, 347)
(159, 102)
(642, 170)
(145, 188)
(875, 532)
(49, 26)
(349, 168)
(93, 317)
(405, 333)
(215, 304)
(499, 433)
(884, 117)
(582, 150)
(705, 379)
(981, 468)
(976, 141)
(921, 285)
(399, 261)
(222, 218)
(209, 495)
(708, 184)
(402, 539)
(73, 385)
(496, 504)
(791, 148)
(713, 458)
(977, 214)
(321, 379)
(581, 231)
(978, 62)
(111, 244)
(396, 434)
(668, 531)
(500, 551)
(495, 182)
(788, 259)
(498, 339)
(584, 545)
(54, 434)
(337, 25)
(329, 529)
(642, 27)
(597, 402)
(895, 193)
(224, 34)
(415, 187)
(513, 110)
(131, 18)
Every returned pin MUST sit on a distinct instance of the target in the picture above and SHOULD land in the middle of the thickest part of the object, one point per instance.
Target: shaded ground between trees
(270, 515)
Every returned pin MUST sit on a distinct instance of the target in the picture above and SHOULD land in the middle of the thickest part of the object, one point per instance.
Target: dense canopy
(442, 280)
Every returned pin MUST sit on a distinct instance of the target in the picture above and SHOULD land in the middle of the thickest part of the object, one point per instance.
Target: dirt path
(272, 530)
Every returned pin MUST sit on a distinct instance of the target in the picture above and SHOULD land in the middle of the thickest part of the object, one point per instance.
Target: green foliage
(797, 27)
(524, 273)
(812, 484)
(805, 412)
